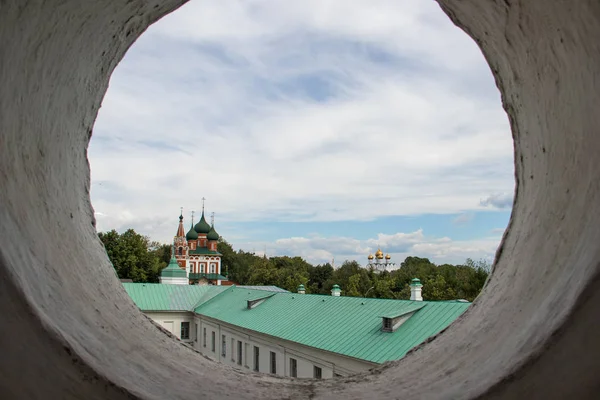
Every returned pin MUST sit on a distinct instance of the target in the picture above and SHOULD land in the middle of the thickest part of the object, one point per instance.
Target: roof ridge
(212, 298)
(200, 302)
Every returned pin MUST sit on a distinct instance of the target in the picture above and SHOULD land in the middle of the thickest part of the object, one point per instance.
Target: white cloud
(317, 110)
(463, 219)
(498, 200)
(399, 246)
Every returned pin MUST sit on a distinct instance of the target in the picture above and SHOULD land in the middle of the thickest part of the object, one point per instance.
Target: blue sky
(319, 128)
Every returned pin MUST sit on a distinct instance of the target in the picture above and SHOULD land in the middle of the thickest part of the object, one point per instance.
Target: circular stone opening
(75, 334)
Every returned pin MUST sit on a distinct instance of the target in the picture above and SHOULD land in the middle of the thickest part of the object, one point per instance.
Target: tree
(162, 252)
(341, 276)
(133, 255)
(352, 289)
(317, 276)
(263, 273)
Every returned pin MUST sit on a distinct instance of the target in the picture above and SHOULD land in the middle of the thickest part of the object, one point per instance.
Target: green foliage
(317, 276)
(134, 256)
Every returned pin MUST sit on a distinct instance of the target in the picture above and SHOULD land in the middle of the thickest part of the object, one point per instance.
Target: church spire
(192, 234)
(180, 231)
(212, 233)
(202, 227)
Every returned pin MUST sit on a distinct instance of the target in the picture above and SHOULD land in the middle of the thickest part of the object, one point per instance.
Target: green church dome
(212, 234)
(202, 226)
(192, 234)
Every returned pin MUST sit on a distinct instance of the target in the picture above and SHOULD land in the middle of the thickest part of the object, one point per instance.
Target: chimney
(336, 291)
(415, 290)
(301, 289)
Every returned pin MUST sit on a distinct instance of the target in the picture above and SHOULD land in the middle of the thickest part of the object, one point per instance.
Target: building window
(223, 346)
(181, 251)
(185, 330)
(387, 324)
(246, 352)
(232, 349)
(212, 268)
(273, 362)
(256, 359)
(212, 343)
(317, 372)
(204, 337)
(239, 351)
(196, 337)
(293, 368)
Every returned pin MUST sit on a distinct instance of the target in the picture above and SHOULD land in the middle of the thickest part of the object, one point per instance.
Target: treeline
(136, 257)
(440, 282)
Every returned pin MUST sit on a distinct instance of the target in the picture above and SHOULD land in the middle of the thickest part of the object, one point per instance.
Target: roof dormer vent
(336, 291)
(392, 321)
(253, 303)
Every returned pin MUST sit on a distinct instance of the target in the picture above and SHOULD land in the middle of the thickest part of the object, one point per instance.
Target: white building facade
(293, 335)
(253, 351)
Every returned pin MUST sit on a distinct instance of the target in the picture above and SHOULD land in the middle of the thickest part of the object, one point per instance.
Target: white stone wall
(172, 322)
(306, 357)
(174, 281)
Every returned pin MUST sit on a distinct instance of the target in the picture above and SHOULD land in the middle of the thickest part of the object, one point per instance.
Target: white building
(293, 334)
(379, 263)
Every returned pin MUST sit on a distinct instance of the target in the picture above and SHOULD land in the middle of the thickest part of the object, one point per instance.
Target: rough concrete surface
(69, 331)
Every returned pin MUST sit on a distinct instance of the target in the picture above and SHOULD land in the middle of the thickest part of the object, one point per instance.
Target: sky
(322, 129)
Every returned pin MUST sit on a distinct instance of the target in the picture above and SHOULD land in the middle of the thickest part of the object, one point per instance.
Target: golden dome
(370, 256)
(379, 254)
(387, 256)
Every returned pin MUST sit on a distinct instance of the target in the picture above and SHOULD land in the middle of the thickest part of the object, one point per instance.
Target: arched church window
(181, 251)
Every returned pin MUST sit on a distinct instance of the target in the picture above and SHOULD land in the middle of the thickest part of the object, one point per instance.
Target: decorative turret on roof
(173, 270)
(180, 231)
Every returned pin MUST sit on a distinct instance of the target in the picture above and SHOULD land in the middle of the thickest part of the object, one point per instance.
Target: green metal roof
(173, 270)
(202, 226)
(192, 234)
(260, 295)
(268, 288)
(195, 276)
(347, 325)
(406, 309)
(212, 234)
(161, 297)
(204, 251)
